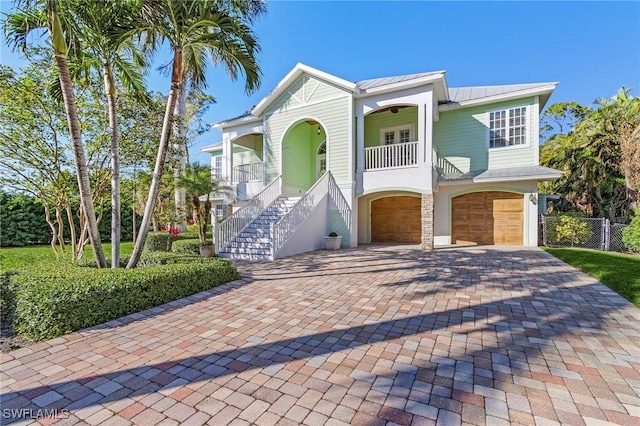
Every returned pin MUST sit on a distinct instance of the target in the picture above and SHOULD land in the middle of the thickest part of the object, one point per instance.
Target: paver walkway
(361, 336)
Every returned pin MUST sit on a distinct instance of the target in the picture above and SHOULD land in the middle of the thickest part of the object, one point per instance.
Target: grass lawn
(618, 271)
(20, 257)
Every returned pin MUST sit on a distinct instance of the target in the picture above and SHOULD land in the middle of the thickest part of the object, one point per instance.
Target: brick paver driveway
(363, 336)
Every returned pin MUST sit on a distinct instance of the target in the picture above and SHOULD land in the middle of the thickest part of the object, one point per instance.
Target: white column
(359, 146)
(227, 157)
(421, 134)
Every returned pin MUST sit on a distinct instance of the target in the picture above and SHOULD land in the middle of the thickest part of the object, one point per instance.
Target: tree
(61, 35)
(199, 183)
(99, 29)
(599, 154)
(35, 150)
(195, 31)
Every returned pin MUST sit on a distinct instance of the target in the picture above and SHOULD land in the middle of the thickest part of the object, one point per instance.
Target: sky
(591, 48)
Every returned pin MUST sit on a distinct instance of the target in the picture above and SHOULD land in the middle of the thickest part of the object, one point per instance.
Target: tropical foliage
(69, 118)
(599, 151)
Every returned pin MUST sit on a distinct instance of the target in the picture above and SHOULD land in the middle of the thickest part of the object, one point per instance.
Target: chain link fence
(582, 232)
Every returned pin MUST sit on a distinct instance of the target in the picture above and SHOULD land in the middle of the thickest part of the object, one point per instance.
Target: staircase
(254, 241)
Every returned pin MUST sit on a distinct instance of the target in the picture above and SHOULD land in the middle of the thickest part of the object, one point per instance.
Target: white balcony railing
(247, 173)
(391, 156)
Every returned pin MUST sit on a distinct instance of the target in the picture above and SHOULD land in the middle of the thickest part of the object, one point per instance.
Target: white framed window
(508, 128)
(221, 211)
(217, 167)
(396, 134)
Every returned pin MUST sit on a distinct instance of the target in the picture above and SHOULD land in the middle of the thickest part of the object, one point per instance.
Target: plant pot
(332, 243)
(207, 250)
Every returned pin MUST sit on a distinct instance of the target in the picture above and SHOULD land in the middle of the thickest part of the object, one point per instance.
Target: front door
(321, 160)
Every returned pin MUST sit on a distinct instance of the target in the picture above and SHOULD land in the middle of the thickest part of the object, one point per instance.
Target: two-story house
(403, 159)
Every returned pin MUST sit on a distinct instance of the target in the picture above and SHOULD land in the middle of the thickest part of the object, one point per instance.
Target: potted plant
(333, 241)
(198, 184)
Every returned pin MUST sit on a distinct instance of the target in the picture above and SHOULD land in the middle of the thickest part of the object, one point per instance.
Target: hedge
(62, 298)
(162, 241)
(186, 246)
(631, 235)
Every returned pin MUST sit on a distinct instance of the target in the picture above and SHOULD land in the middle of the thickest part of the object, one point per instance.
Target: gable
(305, 91)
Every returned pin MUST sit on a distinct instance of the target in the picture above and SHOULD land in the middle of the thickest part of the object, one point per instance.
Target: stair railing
(236, 222)
(286, 226)
(341, 203)
(282, 230)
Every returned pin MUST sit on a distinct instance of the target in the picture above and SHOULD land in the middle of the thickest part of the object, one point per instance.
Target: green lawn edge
(618, 271)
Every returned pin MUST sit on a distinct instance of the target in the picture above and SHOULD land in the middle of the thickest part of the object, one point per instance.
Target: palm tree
(195, 31)
(100, 31)
(198, 182)
(247, 9)
(61, 34)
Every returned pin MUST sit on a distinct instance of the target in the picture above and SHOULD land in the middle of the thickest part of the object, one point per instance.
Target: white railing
(247, 173)
(286, 226)
(236, 222)
(390, 156)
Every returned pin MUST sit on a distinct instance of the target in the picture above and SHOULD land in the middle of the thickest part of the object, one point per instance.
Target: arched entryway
(304, 156)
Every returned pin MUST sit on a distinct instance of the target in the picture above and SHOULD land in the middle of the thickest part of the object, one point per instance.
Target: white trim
(218, 146)
(290, 126)
(320, 101)
(535, 108)
(396, 129)
(494, 180)
(527, 130)
(438, 76)
(235, 121)
(542, 90)
(296, 72)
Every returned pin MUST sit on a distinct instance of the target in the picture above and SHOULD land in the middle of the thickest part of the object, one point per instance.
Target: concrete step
(249, 245)
(243, 256)
(243, 250)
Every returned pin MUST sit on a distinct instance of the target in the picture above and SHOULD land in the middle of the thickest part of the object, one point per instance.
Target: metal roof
(511, 173)
(462, 94)
(377, 82)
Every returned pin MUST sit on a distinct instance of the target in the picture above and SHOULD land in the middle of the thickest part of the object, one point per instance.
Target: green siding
(461, 137)
(374, 122)
(332, 112)
(242, 155)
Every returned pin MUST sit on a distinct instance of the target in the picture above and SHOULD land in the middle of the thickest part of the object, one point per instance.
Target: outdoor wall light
(319, 129)
(533, 199)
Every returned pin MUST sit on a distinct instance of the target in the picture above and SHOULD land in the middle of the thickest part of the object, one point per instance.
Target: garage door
(490, 217)
(396, 220)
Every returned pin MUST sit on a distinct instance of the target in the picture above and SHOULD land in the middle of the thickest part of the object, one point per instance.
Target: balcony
(391, 156)
(247, 173)
(248, 179)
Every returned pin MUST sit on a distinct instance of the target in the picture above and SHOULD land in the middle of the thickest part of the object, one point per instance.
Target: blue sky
(591, 48)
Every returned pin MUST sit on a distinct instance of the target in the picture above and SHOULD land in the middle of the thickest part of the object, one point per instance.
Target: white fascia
(296, 72)
(441, 89)
(536, 91)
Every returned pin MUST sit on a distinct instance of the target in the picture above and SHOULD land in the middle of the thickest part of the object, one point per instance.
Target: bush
(163, 241)
(7, 297)
(568, 229)
(22, 221)
(631, 235)
(61, 298)
(186, 246)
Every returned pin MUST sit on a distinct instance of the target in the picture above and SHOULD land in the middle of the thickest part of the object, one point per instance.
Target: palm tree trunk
(154, 189)
(80, 160)
(59, 46)
(180, 148)
(110, 90)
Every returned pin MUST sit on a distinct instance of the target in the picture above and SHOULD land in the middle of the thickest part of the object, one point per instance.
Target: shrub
(568, 229)
(61, 298)
(186, 246)
(631, 235)
(163, 241)
(7, 297)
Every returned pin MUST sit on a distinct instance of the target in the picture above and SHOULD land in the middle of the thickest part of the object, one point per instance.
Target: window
(398, 134)
(508, 128)
(221, 211)
(217, 167)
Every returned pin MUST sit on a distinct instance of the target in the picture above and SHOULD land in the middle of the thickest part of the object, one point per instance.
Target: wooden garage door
(396, 220)
(490, 217)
